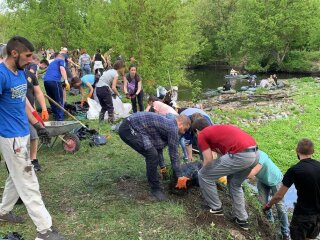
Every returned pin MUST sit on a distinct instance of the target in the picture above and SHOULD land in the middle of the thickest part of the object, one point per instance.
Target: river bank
(277, 119)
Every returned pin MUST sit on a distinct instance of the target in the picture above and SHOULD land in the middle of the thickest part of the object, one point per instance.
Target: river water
(212, 78)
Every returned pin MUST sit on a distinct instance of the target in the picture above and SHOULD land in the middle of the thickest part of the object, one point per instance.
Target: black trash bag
(85, 107)
(85, 133)
(98, 140)
(189, 170)
(13, 236)
(71, 108)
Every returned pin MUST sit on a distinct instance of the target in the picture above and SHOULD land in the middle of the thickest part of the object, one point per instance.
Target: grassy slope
(90, 195)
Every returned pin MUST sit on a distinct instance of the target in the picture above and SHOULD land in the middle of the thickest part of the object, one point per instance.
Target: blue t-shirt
(189, 111)
(13, 90)
(188, 135)
(53, 71)
(89, 78)
(269, 174)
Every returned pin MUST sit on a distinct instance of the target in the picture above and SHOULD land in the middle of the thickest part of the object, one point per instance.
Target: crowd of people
(225, 150)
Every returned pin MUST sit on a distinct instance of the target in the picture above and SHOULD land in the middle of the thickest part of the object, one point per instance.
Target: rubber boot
(101, 117)
(111, 118)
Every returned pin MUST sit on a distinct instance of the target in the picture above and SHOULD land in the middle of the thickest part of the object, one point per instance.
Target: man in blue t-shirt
(269, 179)
(52, 83)
(188, 139)
(14, 136)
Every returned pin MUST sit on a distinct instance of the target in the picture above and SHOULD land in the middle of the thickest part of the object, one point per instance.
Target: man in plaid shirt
(148, 133)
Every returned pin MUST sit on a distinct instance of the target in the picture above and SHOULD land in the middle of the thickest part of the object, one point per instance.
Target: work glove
(163, 173)
(42, 132)
(223, 180)
(45, 115)
(182, 182)
(128, 95)
(67, 86)
(89, 95)
(163, 170)
(36, 115)
(266, 207)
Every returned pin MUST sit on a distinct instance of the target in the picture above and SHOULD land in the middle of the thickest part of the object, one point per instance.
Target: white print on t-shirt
(19, 91)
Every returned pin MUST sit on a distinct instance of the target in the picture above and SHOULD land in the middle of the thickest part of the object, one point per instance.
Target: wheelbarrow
(63, 130)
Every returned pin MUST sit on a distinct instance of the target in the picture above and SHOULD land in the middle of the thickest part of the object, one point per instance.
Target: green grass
(88, 198)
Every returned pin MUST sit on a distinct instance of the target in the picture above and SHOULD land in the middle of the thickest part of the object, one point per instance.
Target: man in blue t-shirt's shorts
(14, 136)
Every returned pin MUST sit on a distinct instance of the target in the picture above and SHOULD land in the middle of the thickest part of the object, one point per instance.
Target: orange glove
(81, 104)
(36, 115)
(89, 95)
(45, 115)
(182, 182)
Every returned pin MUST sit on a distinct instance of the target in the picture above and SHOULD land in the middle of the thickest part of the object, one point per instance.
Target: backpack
(132, 87)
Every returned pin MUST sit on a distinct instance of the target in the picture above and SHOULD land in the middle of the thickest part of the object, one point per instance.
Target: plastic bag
(121, 110)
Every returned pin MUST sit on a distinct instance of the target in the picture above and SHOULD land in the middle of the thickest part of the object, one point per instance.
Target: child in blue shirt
(269, 179)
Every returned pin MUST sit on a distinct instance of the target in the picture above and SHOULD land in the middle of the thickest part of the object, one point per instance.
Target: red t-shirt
(225, 139)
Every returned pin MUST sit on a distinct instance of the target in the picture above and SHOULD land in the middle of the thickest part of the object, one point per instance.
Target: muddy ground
(196, 212)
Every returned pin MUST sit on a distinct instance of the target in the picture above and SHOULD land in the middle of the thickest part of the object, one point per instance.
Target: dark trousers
(135, 141)
(105, 98)
(304, 226)
(138, 97)
(54, 90)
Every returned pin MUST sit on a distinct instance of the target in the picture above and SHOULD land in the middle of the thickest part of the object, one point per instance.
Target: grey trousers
(237, 168)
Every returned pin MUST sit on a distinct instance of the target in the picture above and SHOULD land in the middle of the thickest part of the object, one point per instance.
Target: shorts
(304, 226)
(33, 132)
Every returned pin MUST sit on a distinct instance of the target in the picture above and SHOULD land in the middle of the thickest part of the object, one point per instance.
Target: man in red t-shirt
(238, 154)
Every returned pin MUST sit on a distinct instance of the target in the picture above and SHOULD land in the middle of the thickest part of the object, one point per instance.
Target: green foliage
(260, 90)
(301, 61)
(196, 91)
(160, 34)
(259, 35)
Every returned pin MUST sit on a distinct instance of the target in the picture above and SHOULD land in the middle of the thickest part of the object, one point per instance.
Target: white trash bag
(121, 110)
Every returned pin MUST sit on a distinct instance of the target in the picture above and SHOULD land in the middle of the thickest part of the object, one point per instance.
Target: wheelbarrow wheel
(72, 143)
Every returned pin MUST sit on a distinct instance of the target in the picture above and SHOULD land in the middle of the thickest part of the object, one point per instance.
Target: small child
(269, 179)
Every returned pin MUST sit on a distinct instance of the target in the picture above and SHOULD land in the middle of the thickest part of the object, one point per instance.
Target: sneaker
(244, 225)
(36, 165)
(159, 195)
(217, 212)
(11, 218)
(49, 235)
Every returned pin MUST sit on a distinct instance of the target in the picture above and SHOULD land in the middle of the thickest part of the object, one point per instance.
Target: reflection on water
(212, 78)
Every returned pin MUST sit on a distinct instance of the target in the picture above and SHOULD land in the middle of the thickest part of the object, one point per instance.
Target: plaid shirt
(158, 132)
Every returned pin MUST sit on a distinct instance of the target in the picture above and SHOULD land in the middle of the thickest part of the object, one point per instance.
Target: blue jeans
(265, 192)
(54, 90)
(86, 69)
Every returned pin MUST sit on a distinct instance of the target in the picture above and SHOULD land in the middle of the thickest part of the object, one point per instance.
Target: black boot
(101, 117)
(111, 118)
